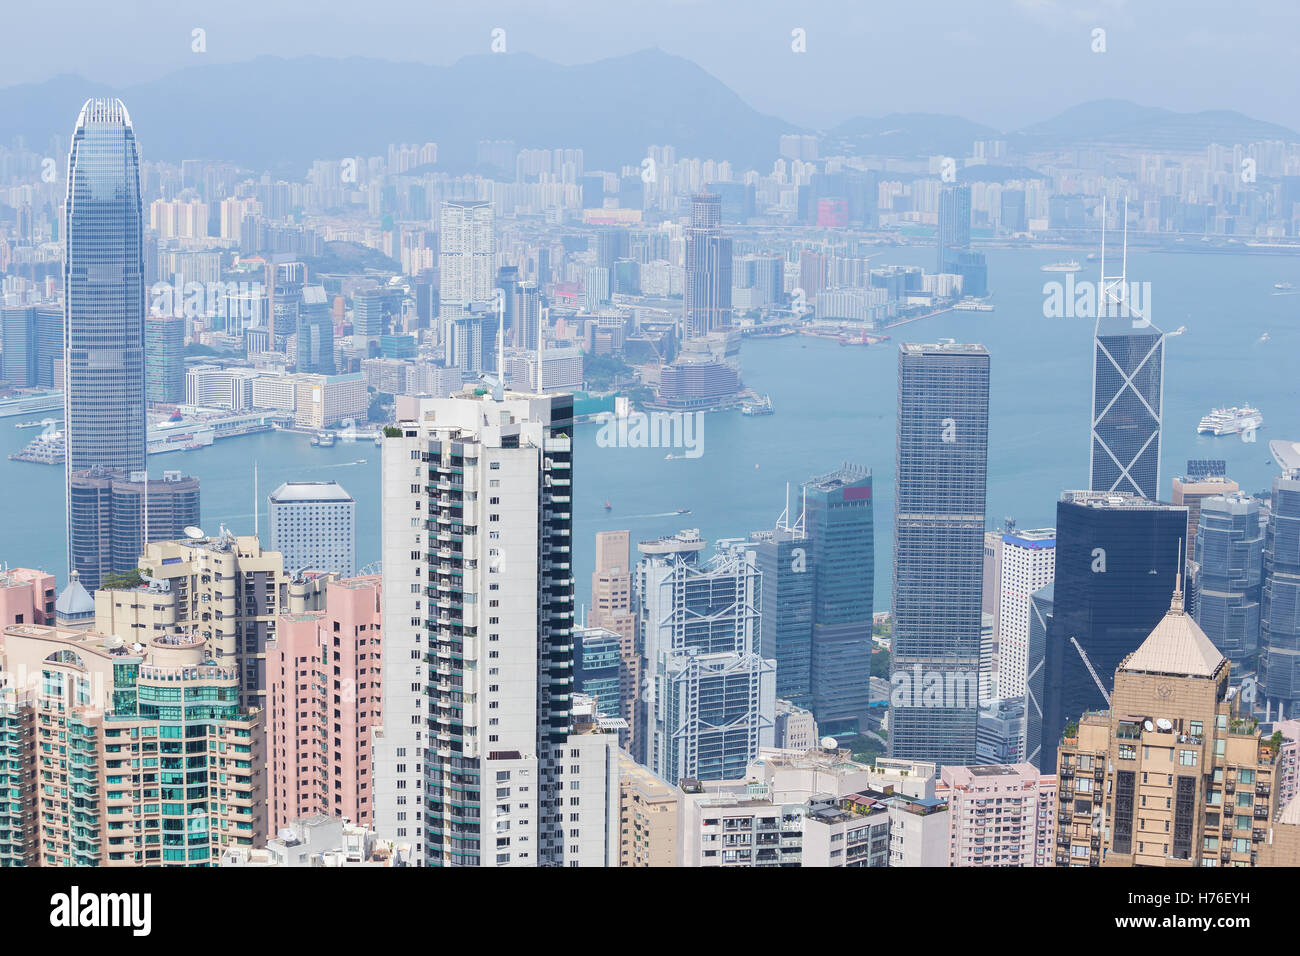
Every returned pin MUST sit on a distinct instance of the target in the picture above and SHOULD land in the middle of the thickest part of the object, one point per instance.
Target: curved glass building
(104, 297)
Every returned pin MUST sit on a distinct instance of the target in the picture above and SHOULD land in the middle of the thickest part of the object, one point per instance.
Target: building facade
(483, 759)
(104, 297)
(314, 526)
(940, 471)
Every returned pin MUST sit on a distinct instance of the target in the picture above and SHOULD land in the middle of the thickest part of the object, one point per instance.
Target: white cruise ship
(1231, 421)
(1070, 266)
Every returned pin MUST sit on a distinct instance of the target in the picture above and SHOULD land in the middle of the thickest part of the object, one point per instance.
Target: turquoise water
(833, 403)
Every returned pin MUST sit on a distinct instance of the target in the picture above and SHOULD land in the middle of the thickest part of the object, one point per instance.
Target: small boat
(1264, 337)
(608, 506)
(683, 511)
(669, 457)
(762, 406)
(1179, 331)
(1283, 286)
(323, 440)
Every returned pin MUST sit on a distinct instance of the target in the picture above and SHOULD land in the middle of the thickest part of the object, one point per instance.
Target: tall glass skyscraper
(1228, 576)
(954, 226)
(1279, 663)
(1127, 395)
(839, 522)
(104, 295)
(940, 471)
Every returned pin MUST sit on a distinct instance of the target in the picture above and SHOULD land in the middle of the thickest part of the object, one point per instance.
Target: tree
(122, 581)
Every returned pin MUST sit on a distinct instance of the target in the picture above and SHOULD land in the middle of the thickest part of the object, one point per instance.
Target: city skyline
(517, 364)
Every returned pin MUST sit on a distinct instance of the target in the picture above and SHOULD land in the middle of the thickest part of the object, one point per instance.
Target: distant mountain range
(279, 114)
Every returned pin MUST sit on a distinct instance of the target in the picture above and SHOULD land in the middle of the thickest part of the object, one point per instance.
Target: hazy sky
(1002, 62)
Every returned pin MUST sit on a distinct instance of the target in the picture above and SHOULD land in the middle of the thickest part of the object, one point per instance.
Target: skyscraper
(314, 526)
(1028, 564)
(1128, 365)
(940, 472)
(103, 278)
(1117, 556)
(706, 303)
(164, 340)
(1228, 576)
(18, 332)
(839, 522)
(710, 698)
(954, 226)
(315, 344)
(784, 558)
(109, 529)
(467, 254)
(481, 760)
(1279, 659)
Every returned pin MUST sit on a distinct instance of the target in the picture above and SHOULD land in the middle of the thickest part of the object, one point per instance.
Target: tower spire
(1176, 603)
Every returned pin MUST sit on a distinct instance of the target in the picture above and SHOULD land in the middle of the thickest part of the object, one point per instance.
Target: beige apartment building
(1170, 775)
(648, 811)
(225, 589)
(611, 608)
(141, 755)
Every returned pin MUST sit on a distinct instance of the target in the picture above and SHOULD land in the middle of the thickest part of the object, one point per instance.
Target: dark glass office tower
(1041, 604)
(1116, 559)
(954, 226)
(1228, 576)
(839, 523)
(1279, 659)
(941, 465)
(1127, 393)
(785, 560)
(103, 276)
(707, 295)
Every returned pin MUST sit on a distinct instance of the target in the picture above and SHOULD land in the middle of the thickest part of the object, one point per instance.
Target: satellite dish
(1164, 724)
(1147, 725)
(194, 533)
(830, 743)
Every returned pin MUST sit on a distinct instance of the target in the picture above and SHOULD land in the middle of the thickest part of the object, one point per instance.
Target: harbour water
(833, 403)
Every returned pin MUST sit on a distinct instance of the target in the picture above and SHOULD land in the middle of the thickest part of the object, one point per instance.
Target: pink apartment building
(323, 675)
(1000, 815)
(26, 597)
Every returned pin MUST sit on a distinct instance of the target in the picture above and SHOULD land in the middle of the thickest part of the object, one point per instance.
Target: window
(1187, 758)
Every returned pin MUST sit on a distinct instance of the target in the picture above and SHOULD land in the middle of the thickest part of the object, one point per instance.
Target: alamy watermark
(1087, 300)
(628, 429)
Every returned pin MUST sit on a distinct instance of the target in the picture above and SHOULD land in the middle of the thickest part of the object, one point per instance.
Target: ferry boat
(761, 406)
(1283, 286)
(41, 424)
(683, 511)
(1071, 265)
(1231, 421)
(972, 305)
(323, 440)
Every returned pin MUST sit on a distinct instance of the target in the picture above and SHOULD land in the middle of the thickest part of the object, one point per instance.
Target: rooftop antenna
(1177, 603)
(499, 392)
(783, 522)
